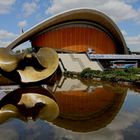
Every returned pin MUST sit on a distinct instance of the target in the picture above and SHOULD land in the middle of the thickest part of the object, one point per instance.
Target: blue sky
(18, 14)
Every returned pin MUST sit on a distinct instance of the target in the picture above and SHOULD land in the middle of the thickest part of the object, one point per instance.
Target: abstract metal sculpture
(28, 67)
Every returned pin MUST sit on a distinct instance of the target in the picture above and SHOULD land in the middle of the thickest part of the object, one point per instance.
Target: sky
(16, 15)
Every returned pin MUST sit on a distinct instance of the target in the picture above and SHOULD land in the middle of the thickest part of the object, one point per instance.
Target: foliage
(133, 70)
(114, 75)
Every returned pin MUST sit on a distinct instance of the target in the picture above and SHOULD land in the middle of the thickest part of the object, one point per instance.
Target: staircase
(77, 62)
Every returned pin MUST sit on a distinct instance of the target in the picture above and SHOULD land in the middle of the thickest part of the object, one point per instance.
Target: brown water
(88, 111)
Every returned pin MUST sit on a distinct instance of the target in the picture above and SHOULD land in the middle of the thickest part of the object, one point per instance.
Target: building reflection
(85, 108)
(67, 103)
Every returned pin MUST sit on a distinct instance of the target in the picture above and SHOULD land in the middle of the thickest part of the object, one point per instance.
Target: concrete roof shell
(75, 14)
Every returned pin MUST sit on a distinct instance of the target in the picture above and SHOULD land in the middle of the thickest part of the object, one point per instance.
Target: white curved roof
(77, 14)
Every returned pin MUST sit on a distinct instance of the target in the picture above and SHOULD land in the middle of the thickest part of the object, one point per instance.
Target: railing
(62, 64)
(112, 56)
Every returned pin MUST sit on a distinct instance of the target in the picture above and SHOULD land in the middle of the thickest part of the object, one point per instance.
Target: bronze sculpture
(28, 67)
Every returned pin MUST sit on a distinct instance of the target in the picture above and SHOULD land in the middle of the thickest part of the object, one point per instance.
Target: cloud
(23, 46)
(137, 19)
(117, 10)
(124, 120)
(22, 24)
(4, 43)
(133, 42)
(115, 130)
(6, 37)
(29, 8)
(6, 6)
(130, 1)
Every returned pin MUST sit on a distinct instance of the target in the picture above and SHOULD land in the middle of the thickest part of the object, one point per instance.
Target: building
(76, 31)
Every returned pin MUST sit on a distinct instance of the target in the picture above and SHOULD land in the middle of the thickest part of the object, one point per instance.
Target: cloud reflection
(8, 134)
(119, 129)
(34, 130)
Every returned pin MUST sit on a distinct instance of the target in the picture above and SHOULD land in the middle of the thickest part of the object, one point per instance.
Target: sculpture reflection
(84, 111)
(29, 103)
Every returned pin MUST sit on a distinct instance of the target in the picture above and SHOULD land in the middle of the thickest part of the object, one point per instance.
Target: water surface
(88, 111)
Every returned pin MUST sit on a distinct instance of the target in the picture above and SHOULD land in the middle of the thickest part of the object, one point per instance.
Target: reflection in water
(87, 108)
(29, 103)
(86, 111)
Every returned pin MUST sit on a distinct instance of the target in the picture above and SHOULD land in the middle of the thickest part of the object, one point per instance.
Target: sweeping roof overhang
(72, 15)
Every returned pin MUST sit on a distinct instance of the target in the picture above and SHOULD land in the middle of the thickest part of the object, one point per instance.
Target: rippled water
(88, 111)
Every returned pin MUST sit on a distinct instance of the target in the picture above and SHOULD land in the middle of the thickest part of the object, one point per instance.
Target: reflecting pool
(69, 109)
